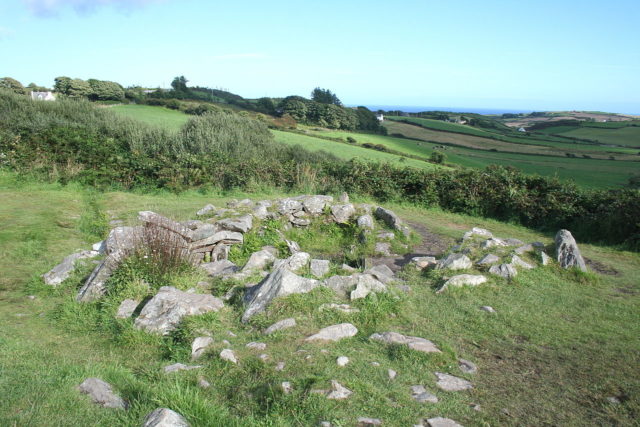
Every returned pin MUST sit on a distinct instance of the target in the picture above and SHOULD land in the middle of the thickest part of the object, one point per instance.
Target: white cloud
(47, 8)
(240, 56)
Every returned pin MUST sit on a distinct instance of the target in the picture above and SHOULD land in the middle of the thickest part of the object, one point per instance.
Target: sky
(503, 54)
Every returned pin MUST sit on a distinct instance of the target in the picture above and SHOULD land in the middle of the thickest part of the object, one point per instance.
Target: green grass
(155, 116)
(348, 151)
(441, 125)
(559, 346)
(626, 136)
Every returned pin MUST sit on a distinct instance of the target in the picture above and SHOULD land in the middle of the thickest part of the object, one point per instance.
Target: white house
(43, 96)
(522, 130)
(380, 117)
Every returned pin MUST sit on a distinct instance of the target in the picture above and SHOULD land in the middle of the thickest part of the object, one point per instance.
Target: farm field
(591, 173)
(347, 151)
(510, 145)
(154, 116)
(626, 136)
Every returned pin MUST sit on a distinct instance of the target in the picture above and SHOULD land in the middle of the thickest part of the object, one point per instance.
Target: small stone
(226, 342)
(467, 367)
(544, 258)
(338, 391)
(264, 357)
(280, 325)
(228, 355)
(206, 210)
(504, 270)
(202, 383)
(199, 346)
(488, 259)
(342, 361)
(455, 261)
(392, 374)
(492, 242)
(448, 382)
(334, 333)
(375, 364)
(421, 395)
(164, 417)
(475, 407)
(423, 262)
(286, 387)
(368, 422)
(324, 424)
(414, 343)
(462, 280)
(613, 400)
(256, 345)
(517, 261)
(31, 297)
(231, 334)
(344, 198)
(280, 366)
(102, 394)
(180, 367)
(487, 308)
(442, 422)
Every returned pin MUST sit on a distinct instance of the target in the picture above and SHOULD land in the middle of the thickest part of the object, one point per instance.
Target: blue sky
(533, 55)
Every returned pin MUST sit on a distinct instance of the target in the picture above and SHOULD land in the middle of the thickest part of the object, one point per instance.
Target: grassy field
(626, 136)
(155, 116)
(560, 345)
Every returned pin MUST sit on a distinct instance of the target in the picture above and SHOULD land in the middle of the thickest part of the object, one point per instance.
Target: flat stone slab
(228, 355)
(164, 417)
(102, 394)
(165, 310)
(280, 325)
(462, 280)
(454, 261)
(62, 271)
(448, 382)
(489, 259)
(334, 333)
(467, 366)
(319, 267)
(199, 346)
(442, 422)
(126, 309)
(421, 395)
(414, 343)
(338, 391)
(179, 367)
(504, 270)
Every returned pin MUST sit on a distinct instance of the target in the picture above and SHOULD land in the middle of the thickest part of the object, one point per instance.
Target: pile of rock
(499, 257)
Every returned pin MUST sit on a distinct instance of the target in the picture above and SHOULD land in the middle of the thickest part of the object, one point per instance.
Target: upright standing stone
(567, 251)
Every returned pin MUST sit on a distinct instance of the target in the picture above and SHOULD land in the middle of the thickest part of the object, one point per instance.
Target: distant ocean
(414, 109)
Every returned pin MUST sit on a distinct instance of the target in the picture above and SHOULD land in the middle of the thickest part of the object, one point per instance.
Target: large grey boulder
(382, 272)
(62, 271)
(295, 262)
(567, 252)
(207, 209)
(155, 219)
(343, 213)
(259, 260)
(102, 394)
(281, 282)
(448, 382)
(164, 417)
(165, 310)
(240, 224)
(414, 343)
(334, 333)
(261, 212)
(341, 285)
(389, 217)
(504, 270)
(94, 286)
(454, 261)
(462, 280)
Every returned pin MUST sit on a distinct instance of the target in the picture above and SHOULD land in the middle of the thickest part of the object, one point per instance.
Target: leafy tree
(296, 107)
(32, 87)
(12, 84)
(266, 105)
(78, 88)
(62, 84)
(102, 90)
(325, 96)
(179, 84)
(437, 157)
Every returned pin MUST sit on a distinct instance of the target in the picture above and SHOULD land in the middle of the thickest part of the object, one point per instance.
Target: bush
(437, 157)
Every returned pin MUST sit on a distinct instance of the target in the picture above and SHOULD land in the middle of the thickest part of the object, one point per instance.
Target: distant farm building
(380, 116)
(43, 96)
(521, 129)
